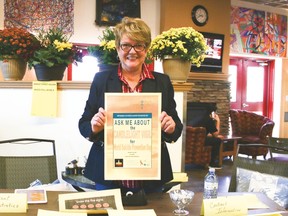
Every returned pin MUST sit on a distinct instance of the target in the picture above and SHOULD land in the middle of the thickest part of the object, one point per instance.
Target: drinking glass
(181, 198)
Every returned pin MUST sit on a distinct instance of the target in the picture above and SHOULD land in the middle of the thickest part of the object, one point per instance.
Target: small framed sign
(34, 195)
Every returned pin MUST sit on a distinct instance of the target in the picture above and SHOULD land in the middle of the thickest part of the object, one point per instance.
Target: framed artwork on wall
(111, 12)
(37, 15)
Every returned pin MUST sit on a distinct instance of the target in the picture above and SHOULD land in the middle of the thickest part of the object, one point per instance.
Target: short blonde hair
(135, 29)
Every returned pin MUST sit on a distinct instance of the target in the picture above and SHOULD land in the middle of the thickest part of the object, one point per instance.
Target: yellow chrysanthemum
(184, 42)
(60, 46)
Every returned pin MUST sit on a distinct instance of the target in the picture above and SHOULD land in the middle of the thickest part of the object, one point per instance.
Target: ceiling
(282, 4)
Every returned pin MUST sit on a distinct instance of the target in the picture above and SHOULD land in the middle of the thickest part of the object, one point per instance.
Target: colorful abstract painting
(35, 15)
(258, 32)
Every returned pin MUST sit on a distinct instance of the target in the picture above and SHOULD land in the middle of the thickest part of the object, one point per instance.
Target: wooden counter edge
(63, 85)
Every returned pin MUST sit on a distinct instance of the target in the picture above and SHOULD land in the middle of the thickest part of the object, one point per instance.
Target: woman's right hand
(98, 121)
(215, 116)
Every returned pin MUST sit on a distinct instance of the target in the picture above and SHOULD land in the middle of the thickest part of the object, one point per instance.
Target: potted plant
(105, 52)
(54, 55)
(184, 45)
(17, 45)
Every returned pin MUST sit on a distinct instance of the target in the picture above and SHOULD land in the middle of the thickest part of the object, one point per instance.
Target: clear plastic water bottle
(210, 185)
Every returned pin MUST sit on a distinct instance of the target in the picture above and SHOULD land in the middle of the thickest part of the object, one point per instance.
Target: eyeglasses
(128, 47)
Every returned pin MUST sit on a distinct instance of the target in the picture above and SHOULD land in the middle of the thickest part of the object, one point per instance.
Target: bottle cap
(211, 169)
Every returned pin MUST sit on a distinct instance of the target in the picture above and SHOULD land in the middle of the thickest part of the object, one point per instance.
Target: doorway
(251, 85)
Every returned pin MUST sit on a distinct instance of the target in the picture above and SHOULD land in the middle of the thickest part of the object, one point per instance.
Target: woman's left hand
(167, 123)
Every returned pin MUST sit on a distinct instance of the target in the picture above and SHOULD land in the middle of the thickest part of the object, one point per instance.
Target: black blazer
(108, 81)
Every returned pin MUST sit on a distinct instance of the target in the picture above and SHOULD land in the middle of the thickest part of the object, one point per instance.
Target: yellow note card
(179, 177)
(225, 206)
(269, 214)
(253, 202)
(44, 99)
(10, 202)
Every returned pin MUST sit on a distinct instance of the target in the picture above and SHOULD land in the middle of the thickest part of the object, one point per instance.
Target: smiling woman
(132, 40)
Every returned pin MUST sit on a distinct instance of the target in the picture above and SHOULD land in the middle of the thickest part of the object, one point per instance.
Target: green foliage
(105, 52)
(55, 49)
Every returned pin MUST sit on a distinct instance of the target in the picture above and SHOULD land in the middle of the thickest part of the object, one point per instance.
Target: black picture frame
(111, 12)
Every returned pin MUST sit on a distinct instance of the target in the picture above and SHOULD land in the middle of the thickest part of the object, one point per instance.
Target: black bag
(134, 199)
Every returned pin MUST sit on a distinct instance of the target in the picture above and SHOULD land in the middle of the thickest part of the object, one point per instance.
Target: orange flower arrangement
(17, 43)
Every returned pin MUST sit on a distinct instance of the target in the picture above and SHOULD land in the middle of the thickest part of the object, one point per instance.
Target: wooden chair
(196, 152)
(24, 160)
(253, 129)
(277, 154)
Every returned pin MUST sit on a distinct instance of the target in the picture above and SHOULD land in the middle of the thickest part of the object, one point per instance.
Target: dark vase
(44, 73)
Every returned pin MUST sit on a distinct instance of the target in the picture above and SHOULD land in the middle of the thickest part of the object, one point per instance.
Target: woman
(214, 139)
(132, 38)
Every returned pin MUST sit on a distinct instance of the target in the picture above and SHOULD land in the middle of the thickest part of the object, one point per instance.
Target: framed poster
(111, 12)
(132, 136)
